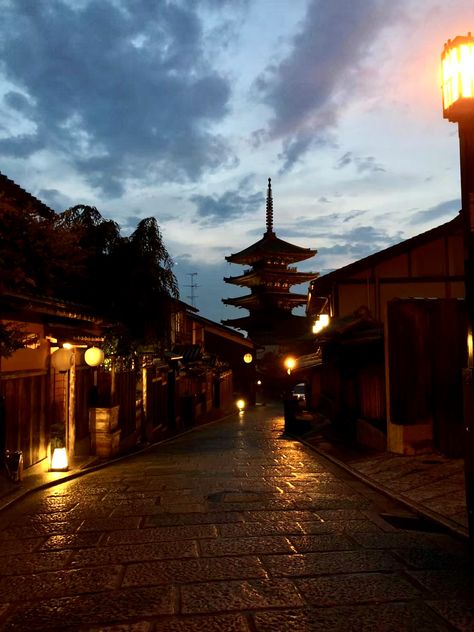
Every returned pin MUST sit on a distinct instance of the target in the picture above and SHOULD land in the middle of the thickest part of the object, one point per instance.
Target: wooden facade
(425, 371)
(84, 407)
(414, 290)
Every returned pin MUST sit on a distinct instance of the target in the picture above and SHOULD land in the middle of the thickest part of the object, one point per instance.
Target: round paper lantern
(248, 358)
(94, 356)
(62, 360)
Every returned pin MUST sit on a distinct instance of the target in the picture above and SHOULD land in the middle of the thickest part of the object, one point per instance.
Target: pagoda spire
(269, 208)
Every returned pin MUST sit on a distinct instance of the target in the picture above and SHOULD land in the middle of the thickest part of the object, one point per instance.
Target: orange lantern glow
(290, 364)
(457, 77)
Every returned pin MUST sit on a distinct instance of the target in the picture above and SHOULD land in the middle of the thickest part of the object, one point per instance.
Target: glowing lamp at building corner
(290, 364)
(321, 322)
(94, 356)
(59, 460)
(62, 360)
(457, 78)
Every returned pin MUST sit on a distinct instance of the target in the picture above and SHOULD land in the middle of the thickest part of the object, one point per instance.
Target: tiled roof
(11, 190)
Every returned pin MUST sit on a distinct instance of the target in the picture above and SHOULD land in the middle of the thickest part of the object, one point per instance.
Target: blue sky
(183, 109)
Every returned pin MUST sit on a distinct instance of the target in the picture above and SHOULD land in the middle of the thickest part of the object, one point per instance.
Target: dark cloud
(323, 71)
(443, 210)
(344, 160)
(229, 205)
(359, 242)
(123, 89)
(353, 215)
(362, 163)
(320, 226)
(55, 199)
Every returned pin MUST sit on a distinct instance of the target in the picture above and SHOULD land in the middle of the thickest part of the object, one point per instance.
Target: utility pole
(192, 285)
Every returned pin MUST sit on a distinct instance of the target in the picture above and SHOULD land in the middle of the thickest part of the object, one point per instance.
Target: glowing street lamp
(457, 72)
(290, 364)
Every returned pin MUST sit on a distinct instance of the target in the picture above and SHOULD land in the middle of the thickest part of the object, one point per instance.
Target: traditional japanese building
(270, 303)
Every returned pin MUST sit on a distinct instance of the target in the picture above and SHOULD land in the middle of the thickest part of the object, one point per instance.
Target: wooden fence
(26, 411)
(32, 403)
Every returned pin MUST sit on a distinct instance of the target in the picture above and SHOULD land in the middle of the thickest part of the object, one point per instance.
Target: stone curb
(453, 528)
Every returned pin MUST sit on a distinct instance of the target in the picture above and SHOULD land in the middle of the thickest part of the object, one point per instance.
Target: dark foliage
(81, 257)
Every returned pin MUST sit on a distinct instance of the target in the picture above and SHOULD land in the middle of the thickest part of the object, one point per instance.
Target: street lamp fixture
(321, 322)
(457, 72)
(290, 364)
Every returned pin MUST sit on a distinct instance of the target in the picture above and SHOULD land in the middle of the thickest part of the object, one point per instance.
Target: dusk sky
(183, 109)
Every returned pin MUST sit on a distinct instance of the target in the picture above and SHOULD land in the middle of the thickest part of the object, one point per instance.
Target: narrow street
(231, 527)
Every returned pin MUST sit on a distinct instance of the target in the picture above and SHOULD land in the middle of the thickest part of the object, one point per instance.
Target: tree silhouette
(80, 256)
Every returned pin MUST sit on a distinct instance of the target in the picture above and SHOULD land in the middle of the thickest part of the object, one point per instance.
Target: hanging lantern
(94, 356)
(62, 360)
(248, 358)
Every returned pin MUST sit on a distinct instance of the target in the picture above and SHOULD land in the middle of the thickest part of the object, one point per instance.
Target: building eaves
(10, 189)
(327, 280)
(221, 330)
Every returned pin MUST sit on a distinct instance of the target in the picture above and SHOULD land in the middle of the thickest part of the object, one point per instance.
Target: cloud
(344, 160)
(229, 205)
(446, 210)
(55, 199)
(362, 164)
(123, 89)
(321, 226)
(359, 242)
(323, 72)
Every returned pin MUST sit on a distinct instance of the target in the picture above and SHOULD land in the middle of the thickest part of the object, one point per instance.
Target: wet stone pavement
(231, 528)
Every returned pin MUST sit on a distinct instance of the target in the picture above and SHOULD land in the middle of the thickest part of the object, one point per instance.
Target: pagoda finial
(269, 207)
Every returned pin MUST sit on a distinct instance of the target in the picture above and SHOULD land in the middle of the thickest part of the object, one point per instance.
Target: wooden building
(40, 402)
(103, 410)
(402, 387)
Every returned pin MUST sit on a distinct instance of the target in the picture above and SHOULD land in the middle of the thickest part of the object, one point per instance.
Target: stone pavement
(430, 484)
(233, 527)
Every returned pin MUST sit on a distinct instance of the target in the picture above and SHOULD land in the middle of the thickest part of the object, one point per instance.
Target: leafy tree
(128, 279)
(95, 239)
(145, 283)
(80, 256)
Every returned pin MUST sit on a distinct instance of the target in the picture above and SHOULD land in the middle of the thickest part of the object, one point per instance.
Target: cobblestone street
(231, 527)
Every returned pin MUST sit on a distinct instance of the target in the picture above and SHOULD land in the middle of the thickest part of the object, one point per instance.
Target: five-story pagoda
(270, 303)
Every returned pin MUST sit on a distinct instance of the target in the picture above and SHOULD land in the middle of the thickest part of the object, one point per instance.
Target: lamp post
(457, 70)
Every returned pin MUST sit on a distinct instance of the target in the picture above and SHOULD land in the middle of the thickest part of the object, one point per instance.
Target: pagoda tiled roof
(271, 245)
(259, 276)
(269, 332)
(255, 300)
